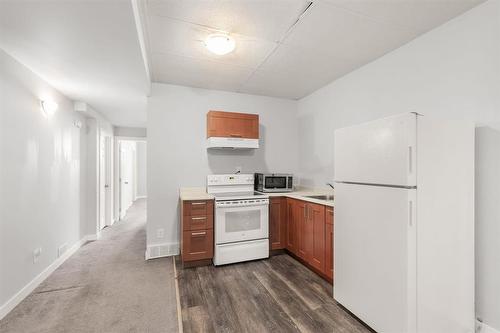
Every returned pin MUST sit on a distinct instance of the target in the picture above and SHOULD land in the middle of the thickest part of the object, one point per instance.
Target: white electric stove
(241, 219)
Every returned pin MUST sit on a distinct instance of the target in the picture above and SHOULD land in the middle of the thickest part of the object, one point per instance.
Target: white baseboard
(27, 289)
(162, 250)
(484, 328)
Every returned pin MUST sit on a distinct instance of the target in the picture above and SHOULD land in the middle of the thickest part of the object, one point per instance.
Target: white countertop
(302, 194)
(200, 193)
(194, 193)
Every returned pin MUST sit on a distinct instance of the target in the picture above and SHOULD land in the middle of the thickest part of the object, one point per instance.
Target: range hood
(232, 143)
(232, 130)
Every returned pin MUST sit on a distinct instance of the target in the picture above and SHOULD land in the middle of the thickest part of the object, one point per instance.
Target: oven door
(241, 221)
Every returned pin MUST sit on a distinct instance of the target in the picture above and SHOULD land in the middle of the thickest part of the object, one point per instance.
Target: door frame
(105, 184)
(117, 176)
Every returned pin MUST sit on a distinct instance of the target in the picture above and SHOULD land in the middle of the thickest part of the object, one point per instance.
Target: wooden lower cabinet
(329, 243)
(197, 241)
(291, 232)
(277, 223)
(309, 236)
(317, 228)
(198, 245)
(304, 231)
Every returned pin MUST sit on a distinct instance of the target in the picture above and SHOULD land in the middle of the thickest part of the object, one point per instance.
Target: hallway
(106, 286)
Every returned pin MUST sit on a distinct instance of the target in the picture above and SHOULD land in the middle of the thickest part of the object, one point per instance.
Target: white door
(102, 182)
(126, 178)
(378, 152)
(108, 180)
(374, 249)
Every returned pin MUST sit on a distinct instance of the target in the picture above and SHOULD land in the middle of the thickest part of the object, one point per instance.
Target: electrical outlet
(160, 233)
(36, 254)
(61, 249)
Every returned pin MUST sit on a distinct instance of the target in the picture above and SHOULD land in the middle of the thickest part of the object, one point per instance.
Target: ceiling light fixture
(220, 44)
(48, 107)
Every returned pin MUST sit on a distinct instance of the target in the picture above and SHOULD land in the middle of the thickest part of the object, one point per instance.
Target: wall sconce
(48, 107)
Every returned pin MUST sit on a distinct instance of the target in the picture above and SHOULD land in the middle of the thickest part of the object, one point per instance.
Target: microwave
(273, 182)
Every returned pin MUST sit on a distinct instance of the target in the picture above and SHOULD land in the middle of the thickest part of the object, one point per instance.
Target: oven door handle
(242, 205)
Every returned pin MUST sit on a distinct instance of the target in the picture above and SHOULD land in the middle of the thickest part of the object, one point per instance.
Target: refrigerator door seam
(380, 185)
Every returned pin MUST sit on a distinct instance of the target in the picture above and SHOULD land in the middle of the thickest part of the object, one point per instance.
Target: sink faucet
(329, 184)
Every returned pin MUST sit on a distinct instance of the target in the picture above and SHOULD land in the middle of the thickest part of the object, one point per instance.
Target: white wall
(488, 225)
(141, 166)
(91, 131)
(136, 132)
(451, 71)
(177, 156)
(41, 177)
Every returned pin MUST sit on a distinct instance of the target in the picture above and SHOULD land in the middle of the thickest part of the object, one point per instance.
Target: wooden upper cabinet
(232, 124)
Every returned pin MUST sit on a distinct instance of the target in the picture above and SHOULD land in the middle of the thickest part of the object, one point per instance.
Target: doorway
(131, 173)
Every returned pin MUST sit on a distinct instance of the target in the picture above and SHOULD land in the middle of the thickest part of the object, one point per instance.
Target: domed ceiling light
(220, 44)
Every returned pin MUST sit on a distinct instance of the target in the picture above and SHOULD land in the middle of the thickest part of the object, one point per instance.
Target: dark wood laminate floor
(274, 295)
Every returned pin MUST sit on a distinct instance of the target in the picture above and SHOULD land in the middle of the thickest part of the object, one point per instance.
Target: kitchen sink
(321, 197)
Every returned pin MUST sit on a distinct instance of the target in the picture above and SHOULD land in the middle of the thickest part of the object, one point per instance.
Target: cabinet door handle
(235, 135)
(199, 233)
(199, 218)
(198, 203)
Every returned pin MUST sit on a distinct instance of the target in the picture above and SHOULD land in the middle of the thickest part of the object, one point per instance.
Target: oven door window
(237, 224)
(275, 182)
(245, 220)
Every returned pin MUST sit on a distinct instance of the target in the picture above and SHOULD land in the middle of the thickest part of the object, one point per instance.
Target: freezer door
(374, 249)
(378, 152)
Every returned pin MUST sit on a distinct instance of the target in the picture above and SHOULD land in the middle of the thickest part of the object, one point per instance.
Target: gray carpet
(106, 286)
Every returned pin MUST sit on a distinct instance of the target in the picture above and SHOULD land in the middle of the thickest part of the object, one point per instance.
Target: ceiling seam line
(279, 42)
(371, 18)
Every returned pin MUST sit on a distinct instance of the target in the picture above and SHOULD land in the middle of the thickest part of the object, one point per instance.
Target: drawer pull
(199, 218)
(198, 203)
(199, 233)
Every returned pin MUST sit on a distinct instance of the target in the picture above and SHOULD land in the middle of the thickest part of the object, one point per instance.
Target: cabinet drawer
(197, 245)
(197, 222)
(198, 207)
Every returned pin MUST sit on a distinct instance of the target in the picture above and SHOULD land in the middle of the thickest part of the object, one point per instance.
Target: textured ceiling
(278, 54)
(91, 50)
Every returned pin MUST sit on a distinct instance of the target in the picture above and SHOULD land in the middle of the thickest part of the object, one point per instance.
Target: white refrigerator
(404, 224)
